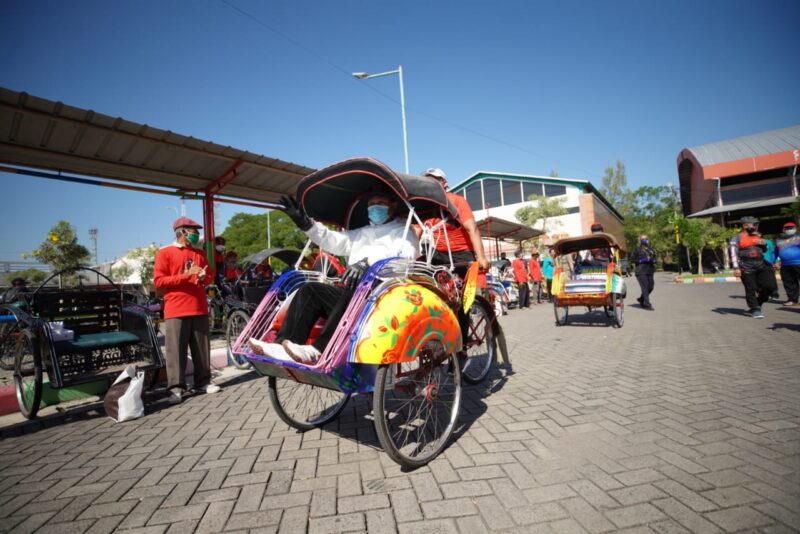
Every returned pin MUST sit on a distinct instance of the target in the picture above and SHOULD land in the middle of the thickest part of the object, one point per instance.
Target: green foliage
(793, 210)
(61, 249)
(615, 187)
(32, 276)
(120, 274)
(247, 233)
(553, 173)
(544, 209)
(147, 257)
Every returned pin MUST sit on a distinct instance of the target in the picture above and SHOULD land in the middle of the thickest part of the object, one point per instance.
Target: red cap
(185, 222)
(790, 224)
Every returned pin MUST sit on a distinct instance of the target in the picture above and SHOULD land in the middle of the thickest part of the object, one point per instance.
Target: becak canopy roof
(568, 245)
(334, 194)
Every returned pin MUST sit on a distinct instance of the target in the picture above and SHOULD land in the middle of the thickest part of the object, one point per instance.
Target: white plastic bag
(123, 401)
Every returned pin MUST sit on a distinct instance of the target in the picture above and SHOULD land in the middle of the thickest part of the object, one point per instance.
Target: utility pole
(93, 237)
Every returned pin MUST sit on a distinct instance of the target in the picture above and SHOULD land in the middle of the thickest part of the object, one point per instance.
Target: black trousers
(759, 283)
(790, 275)
(313, 301)
(646, 284)
(524, 299)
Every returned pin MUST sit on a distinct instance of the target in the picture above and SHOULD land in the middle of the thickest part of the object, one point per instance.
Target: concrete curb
(8, 394)
(706, 280)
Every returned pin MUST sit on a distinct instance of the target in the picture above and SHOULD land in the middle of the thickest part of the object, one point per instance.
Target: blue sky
(516, 86)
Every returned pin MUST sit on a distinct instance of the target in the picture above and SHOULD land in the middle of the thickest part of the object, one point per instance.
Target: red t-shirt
(520, 274)
(184, 295)
(232, 274)
(535, 269)
(458, 236)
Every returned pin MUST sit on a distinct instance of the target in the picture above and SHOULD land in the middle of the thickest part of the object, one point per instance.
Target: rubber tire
(291, 421)
(490, 344)
(382, 427)
(560, 321)
(618, 304)
(28, 405)
(231, 336)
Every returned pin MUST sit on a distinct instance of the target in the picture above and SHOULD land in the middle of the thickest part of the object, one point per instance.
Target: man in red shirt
(181, 274)
(466, 244)
(535, 271)
(521, 278)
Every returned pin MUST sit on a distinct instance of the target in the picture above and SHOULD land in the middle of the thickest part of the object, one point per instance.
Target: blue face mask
(378, 213)
(644, 241)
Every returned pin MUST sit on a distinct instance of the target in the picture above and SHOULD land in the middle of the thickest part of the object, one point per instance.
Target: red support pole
(208, 227)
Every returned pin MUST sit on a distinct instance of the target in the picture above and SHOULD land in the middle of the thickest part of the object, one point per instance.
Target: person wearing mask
(219, 255)
(771, 257)
(521, 278)
(232, 270)
(180, 274)
(384, 237)
(504, 264)
(548, 266)
(645, 260)
(789, 258)
(18, 286)
(535, 271)
(747, 257)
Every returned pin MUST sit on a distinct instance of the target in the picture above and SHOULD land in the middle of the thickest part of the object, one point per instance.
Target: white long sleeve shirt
(374, 242)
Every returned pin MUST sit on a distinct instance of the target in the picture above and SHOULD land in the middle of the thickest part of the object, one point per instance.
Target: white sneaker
(273, 350)
(212, 388)
(307, 354)
(174, 398)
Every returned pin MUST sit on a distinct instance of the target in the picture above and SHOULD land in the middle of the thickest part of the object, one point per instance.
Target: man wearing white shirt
(384, 237)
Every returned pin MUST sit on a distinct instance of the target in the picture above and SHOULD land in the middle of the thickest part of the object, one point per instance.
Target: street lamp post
(399, 72)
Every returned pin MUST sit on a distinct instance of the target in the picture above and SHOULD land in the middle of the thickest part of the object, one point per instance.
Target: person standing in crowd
(789, 258)
(180, 273)
(521, 278)
(504, 264)
(771, 257)
(548, 266)
(747, 257)
(645, 260)
(535, 271)
(219, 255)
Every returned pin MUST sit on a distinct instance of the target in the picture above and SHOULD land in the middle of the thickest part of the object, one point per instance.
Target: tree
(61, 249)
(122, 273)
(793, 210)
(649, 213)
(719, 238)
(544, 209)
(146, 256)
(615, 187)
(247, 233)
(32, 276)
(696, 236)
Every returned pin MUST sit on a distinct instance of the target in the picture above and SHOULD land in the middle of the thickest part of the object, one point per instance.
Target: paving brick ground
(685, 420)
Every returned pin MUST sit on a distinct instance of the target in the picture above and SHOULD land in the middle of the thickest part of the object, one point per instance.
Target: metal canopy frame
(504, 230)
(48, 139)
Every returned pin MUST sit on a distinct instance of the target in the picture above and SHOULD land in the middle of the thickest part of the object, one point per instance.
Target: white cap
(436, 173)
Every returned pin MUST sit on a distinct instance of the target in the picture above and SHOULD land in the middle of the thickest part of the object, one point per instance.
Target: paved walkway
(684, 420)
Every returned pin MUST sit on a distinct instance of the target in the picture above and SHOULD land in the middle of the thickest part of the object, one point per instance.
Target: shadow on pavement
(729, 311)
(787, 326)
(356, 422)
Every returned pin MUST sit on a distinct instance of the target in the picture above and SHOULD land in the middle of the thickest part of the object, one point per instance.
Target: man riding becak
(384, 237)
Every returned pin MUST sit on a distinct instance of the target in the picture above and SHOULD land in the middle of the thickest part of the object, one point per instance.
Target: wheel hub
(431, 392)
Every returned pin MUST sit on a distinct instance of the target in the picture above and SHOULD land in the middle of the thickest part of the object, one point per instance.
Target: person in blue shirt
(548, 266)
(789, 258)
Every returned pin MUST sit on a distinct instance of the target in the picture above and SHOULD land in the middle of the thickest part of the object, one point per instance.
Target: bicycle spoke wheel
(28, 374)
(618, 304)
(304, 406)
(480, 346)
(9, 333)
(236, 323)
(562, 313)
(416, 412)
